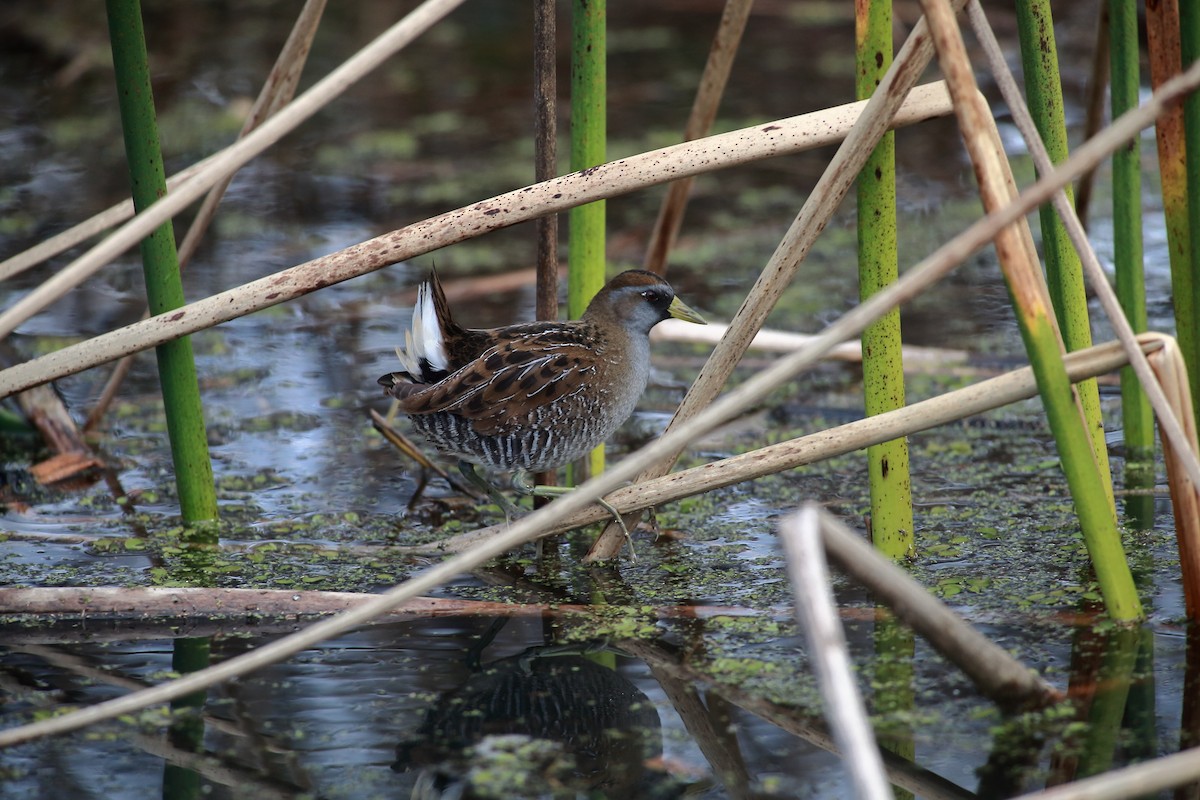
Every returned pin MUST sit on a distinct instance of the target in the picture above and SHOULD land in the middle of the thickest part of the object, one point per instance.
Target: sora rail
(533, 396)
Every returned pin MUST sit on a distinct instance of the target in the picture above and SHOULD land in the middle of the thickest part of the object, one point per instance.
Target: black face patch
(659, 298)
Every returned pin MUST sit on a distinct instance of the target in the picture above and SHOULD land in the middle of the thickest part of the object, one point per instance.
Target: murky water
(697, 682)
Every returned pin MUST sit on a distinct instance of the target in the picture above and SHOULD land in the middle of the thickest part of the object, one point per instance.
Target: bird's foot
(522, 483)
(475, 479)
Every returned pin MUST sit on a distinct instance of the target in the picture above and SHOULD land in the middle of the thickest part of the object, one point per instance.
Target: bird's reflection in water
(548, 722)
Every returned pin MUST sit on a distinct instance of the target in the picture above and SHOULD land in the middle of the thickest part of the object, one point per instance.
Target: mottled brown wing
(508, 383)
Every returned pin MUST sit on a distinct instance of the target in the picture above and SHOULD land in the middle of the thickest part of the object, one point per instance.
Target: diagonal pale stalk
(230, 159)
(586, 227)
(817, 616)
(1163, 40)
(998, 675)
(878, 265)
(1093, 505)
(766, 140)
(1189, 283)
(1136, 415)
(97, 224)
(164, 289)
(704, 110)
(852, 323)
(276, 93)
(825, 198)
(1043, 85)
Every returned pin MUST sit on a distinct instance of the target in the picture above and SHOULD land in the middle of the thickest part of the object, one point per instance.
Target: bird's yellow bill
(679, 310)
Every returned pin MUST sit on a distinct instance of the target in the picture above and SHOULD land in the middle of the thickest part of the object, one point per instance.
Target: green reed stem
(1187, 283)
(585, 239)
(1093, 505)
(1064, 273)
(883, 366)
(164, 290)
(186, 731)
(1137, 416)
(1106, 721)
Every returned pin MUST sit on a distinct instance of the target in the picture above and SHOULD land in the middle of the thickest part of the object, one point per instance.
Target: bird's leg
(468, 471)
(523, 484)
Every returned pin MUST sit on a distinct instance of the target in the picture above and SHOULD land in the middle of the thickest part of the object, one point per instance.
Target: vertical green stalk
(894, 696)
(1137, 416)
(1189, 282)
(186, 732)
(1106, 714)
(585, 242)
(1097, 518)
(1064, 273)
(164, 290)
(883, 366)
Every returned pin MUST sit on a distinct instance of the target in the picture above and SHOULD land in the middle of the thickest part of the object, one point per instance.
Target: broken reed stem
(1140, 780)
(950, 407)
(704, 111)
(916, 357)
(616, 177)
(816, 613)
(781, 268)
(193, 603)
(997, 675)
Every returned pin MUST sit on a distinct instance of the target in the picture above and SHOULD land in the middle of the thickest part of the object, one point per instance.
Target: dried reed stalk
(704, 110)
(1172, 378)
(996, 674)
(816, 612)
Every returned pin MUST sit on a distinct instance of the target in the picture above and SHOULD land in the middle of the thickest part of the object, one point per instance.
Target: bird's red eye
(650, 294)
